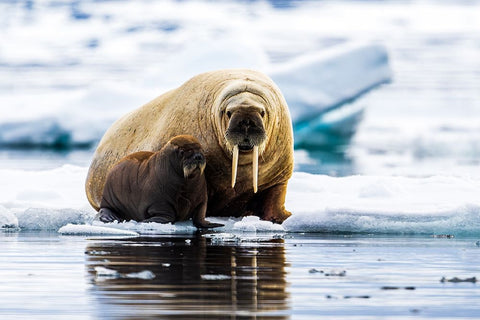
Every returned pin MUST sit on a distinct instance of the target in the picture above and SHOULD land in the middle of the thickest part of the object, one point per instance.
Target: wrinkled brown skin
(198, 108)
(152, 187)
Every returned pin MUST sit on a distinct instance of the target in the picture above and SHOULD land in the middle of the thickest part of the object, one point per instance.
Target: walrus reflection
(192, 280)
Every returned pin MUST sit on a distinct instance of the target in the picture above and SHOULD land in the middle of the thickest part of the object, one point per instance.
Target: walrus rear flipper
(106, 215)
(158, 220)
(160, 217)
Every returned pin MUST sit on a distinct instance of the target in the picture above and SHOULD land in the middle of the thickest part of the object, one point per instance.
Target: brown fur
(155, 187)
(199, 107)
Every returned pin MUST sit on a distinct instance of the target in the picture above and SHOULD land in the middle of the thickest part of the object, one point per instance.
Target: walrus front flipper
(199, 218)
(106, 215)
(273, 208)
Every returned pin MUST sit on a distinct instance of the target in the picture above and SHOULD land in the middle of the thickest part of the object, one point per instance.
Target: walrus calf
(243, 123)
(163, 186)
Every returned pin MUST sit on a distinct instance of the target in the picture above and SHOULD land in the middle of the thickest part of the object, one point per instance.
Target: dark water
(301, 276)
(245, 276)
(192, 280)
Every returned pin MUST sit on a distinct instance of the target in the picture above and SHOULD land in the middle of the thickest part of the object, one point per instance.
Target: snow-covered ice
(319, 203)
(83, 229)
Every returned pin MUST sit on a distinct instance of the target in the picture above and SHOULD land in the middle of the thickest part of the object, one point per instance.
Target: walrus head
(190, 155)
(243, 115)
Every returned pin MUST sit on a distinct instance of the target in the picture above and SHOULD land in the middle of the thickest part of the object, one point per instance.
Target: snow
(319, 203)
(59, 188)
(254, 224)
(383, 204)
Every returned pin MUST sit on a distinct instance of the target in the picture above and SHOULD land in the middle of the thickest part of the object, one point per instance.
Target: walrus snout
(189, 154)
(196, 160)
(245, 132)
(199, 157)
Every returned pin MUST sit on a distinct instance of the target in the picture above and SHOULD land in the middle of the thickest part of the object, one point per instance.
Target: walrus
(163, 186)
(243, 123)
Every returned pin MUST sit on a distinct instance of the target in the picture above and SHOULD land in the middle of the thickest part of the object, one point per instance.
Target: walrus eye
(229, 114)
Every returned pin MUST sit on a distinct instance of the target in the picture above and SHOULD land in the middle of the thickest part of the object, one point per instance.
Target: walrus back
(122, 191)
(127, 135)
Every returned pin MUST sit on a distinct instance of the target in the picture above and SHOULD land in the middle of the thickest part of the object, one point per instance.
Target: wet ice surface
(253, 276)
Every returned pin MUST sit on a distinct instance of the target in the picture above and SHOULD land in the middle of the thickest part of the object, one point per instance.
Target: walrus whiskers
(234, 165)
(190, 168)
(255, 169)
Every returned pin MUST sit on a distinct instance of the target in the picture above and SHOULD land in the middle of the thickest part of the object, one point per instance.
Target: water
(411, 171)
(267, 276)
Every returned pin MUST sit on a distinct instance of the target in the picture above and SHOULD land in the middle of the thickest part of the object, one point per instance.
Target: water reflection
(188, 278)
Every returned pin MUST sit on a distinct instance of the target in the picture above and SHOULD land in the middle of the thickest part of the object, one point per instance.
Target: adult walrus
(241, 119)
(163, 186)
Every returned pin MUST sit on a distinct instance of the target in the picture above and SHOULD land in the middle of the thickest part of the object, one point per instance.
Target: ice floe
(319, 203)
(84, 229)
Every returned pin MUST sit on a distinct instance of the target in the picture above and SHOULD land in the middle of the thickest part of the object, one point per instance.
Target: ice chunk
(222, 237)
(319, 87)
(215, 277)
(7, 219)
(73, 229)
(254, 224)
(185, 227)
(103, 273)
(144, 275)
(323, 80)
(50, 219)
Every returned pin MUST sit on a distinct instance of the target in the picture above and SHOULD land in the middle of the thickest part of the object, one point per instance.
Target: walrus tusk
(255, 169)
(234, 165)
